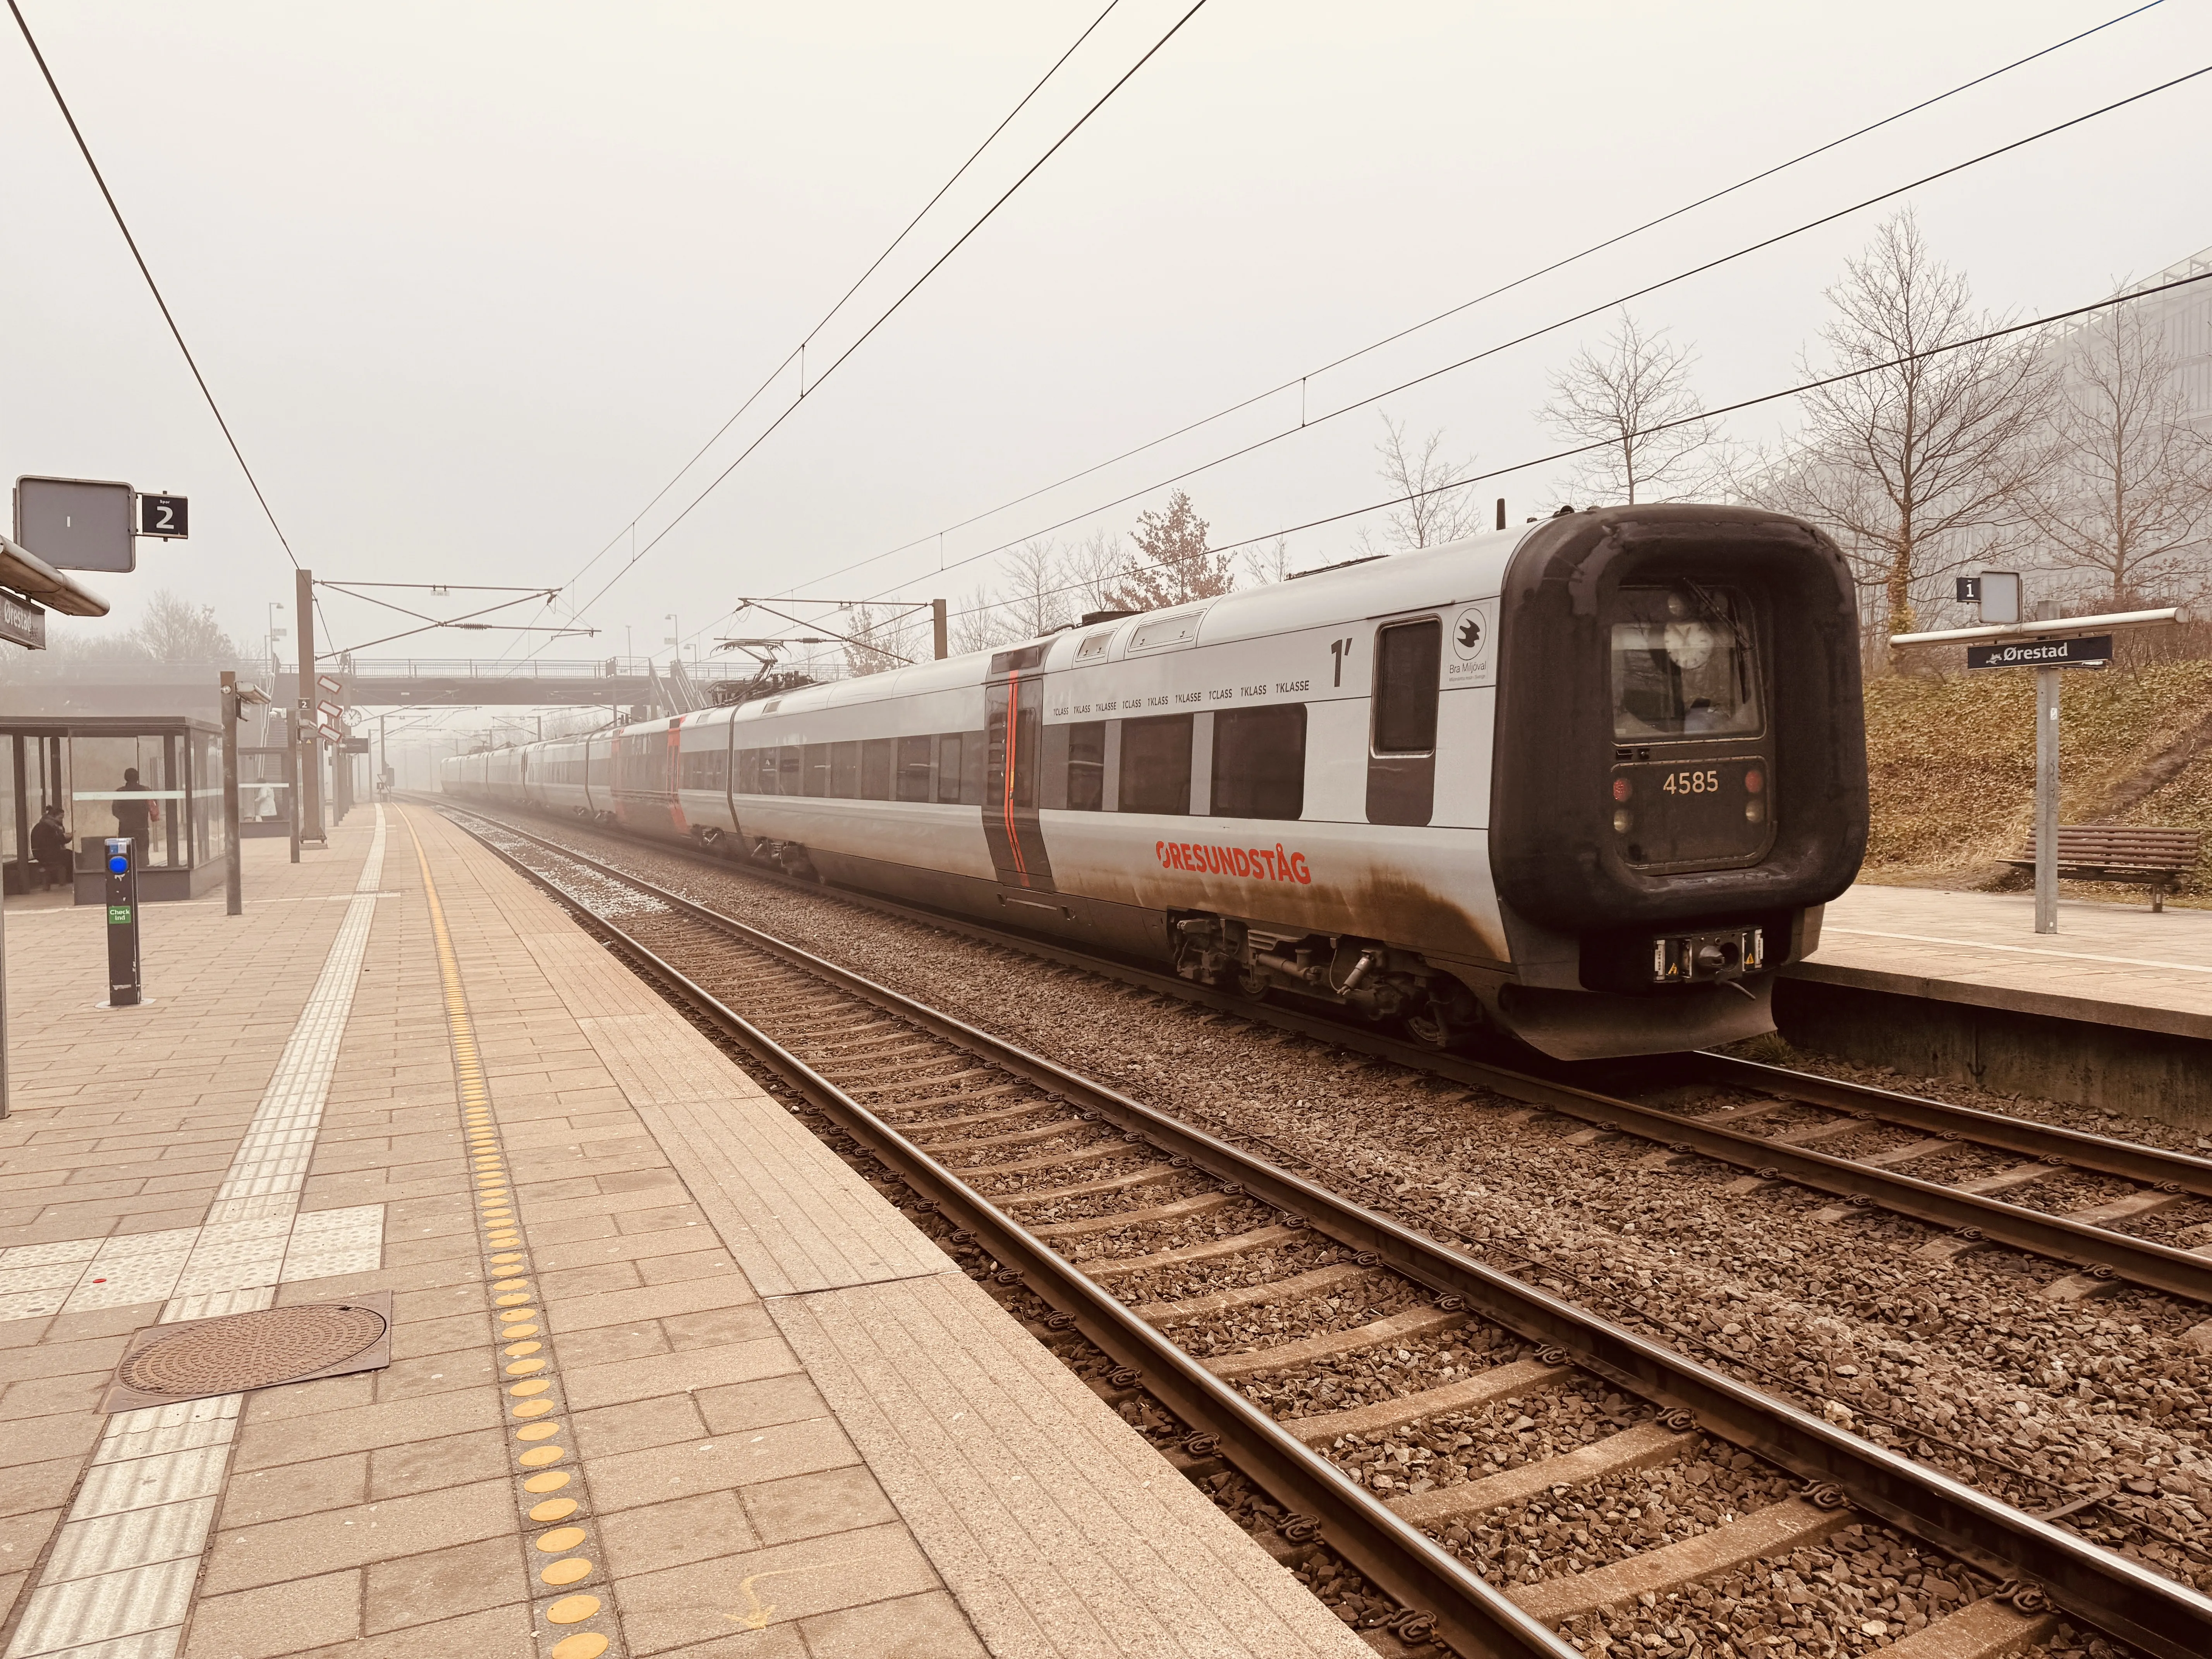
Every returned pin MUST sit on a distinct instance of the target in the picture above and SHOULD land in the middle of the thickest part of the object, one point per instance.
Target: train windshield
(1683, 664)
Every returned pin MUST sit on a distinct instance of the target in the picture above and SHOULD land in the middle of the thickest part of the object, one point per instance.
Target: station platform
(663, 1377)
(2112, 1011)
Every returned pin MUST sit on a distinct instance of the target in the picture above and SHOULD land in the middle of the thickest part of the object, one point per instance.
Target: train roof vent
(1094, 646)
(1341, 564)
(1164, 633)
(1027, 656)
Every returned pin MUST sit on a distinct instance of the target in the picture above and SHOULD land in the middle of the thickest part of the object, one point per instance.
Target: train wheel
(1431, 1029)
(1443, 1019)
(1251, 982)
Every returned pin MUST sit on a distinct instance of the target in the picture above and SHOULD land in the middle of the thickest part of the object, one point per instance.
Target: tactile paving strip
(118, 1582)
(572, 1598)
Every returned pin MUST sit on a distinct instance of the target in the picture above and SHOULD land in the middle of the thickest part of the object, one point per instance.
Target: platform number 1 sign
(166, 516)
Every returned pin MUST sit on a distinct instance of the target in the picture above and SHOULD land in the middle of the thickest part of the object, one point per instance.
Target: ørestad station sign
(2041, 654)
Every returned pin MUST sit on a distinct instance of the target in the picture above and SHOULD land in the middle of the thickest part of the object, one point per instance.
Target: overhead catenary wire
(892, 309)
(798, 351)
(1300, 381)
(155, 287)
(1524, 339)
(1557, 455)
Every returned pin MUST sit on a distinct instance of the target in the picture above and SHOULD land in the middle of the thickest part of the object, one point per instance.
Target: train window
(748, 779)
(790, 772)
(974, 750)
(845, 770)
(948, 768)
(1682, 664)
(1406, 659)
(1260, 763)
(1087, 766)
(914, 768)
(1156, 764)
(876, 769)
(817, 757)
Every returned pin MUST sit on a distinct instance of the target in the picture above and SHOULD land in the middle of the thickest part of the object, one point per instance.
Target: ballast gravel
(1960, 1362)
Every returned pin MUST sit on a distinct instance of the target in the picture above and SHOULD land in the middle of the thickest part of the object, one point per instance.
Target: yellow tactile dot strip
(579, 1623)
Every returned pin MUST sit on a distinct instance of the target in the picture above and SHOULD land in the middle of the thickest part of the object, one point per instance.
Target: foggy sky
(472, 281)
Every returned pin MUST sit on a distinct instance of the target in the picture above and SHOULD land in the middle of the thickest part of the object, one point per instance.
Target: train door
(1402, 752)
(598, 790)
(1013, 704)
(671, 776)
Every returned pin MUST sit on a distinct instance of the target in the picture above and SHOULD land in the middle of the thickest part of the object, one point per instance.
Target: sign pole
(4, 983)
(310, 748)
(292, 736)
(2046, 645)
(233, 874)
(2046, 800)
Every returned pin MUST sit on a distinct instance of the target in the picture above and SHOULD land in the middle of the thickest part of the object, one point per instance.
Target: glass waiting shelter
(109, 774)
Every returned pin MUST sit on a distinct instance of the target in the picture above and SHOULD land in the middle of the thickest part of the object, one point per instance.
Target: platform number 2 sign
(169, 516)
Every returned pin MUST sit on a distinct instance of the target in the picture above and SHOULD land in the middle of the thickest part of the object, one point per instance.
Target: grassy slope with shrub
(1951, 764)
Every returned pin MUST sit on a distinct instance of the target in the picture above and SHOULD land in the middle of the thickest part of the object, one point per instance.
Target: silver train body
(1587, 783)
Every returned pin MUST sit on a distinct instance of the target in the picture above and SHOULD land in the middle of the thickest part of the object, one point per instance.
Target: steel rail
(1466, 1611)
(2152, 1166)
(2140, 1260)
(2099, 1250)
(2101, 1587)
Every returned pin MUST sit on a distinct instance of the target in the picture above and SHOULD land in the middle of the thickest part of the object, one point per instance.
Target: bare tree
(874, 643)
(1270, 563)
(1433, 513)
(1171, 565)
(174, 629)
(975, 624)
(1093, 569)
(1032, 602)
(1634, 397)
(2126, 500)
(1921, 455)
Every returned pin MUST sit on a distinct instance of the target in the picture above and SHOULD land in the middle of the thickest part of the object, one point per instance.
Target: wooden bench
(2123, 851)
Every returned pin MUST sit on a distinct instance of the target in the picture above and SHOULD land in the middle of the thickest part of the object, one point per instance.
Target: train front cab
(1679, 778)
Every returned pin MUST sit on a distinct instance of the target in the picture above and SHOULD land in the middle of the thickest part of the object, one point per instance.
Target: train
(1585, 784)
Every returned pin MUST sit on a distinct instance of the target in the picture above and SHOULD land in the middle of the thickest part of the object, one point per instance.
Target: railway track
(1807, 1121)
(1537, 1430)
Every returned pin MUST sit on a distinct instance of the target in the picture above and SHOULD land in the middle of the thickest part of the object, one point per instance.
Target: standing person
(131, 817)
(50, 845)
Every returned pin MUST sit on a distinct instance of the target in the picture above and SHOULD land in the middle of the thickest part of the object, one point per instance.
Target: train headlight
(1623, 821)
(1622, 788)
(1754, 812)
(1754, 781)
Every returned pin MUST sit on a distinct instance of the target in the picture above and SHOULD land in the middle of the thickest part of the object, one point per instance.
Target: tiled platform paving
(779, 1421)
(2114, 965)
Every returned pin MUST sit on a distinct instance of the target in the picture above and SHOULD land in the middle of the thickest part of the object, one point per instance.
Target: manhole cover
(232, 1352)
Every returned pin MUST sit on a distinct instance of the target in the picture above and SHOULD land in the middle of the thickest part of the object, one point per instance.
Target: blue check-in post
(122, 924)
